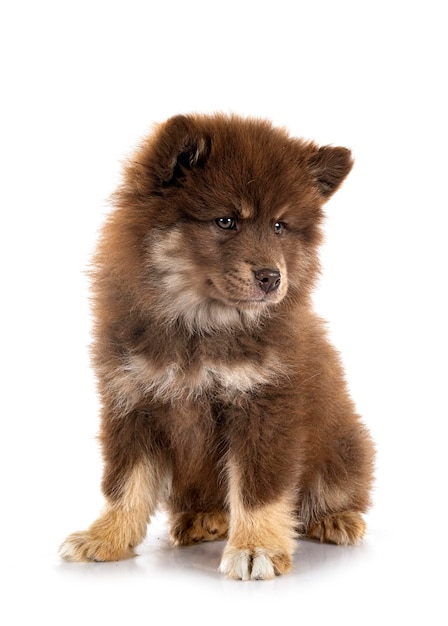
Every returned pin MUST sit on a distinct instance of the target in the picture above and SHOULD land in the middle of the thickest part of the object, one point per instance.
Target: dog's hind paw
(191, 528)
(346, 528)
(254, 564)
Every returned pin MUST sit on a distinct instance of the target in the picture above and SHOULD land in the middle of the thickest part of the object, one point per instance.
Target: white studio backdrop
(81, 83)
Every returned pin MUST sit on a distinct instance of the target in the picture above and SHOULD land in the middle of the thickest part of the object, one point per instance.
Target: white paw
(247, 564)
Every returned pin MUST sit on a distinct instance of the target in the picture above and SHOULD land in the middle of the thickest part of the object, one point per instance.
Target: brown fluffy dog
(222, 398)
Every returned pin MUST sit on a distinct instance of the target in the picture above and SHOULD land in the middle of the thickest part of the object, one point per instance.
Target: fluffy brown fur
(222, 399)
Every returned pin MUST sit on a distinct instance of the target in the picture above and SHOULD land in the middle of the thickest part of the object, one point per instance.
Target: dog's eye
(228, 223)
(278, 228)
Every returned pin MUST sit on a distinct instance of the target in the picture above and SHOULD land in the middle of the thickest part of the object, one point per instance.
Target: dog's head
(230, 210)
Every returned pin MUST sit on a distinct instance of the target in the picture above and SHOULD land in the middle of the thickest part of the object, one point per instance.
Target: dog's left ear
(330, 166)
(182, 146)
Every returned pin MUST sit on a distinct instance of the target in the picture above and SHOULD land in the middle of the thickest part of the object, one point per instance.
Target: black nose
(268, 279)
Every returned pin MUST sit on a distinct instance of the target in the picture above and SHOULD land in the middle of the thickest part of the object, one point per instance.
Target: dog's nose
(268, 279)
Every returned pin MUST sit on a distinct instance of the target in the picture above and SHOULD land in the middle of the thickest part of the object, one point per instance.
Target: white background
(81, 82)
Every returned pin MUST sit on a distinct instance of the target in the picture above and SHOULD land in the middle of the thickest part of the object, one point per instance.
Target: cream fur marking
(246, 211)
(139, 377)
(122, 525)
(261, 541)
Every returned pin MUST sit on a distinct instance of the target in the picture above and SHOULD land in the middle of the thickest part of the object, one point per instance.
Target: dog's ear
(181, 147)
(330, 166)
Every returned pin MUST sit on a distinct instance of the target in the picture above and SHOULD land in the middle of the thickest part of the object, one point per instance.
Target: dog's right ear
(180, 147)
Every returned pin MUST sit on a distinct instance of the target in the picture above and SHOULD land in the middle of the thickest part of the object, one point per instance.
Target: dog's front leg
(261, 537)
(132, 483)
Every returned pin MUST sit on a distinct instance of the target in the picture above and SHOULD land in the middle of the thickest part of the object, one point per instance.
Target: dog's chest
(176, 381)
(141, 376)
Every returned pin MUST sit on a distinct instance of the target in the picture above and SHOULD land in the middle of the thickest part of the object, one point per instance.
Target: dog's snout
(268, 279)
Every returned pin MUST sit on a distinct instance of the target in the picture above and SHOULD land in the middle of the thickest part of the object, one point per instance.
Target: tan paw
(347, 528)
(254, 564)
(191, 528)
(85, 546)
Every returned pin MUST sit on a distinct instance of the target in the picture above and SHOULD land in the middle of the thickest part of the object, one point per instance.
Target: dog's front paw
(112, 537)
(87, 546)
(254, 564)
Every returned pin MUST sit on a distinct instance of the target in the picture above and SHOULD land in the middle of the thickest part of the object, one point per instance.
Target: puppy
(222, 399)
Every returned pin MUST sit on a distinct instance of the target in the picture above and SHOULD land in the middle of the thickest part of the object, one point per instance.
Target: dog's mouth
(260, 301)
